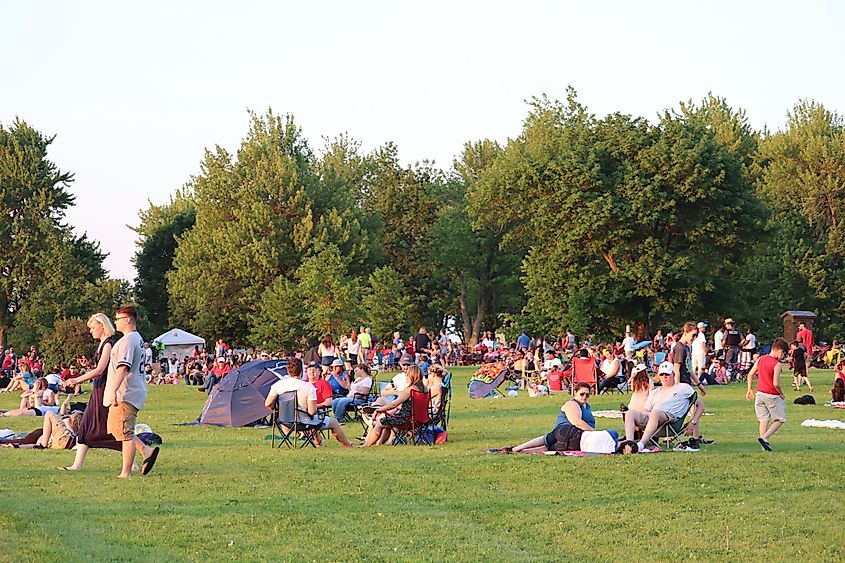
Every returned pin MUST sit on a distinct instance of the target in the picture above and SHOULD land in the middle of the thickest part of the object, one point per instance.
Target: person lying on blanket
(574, 412)
(664, 405)
(568, 438)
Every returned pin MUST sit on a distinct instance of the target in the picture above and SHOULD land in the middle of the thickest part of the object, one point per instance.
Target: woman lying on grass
(56, 433)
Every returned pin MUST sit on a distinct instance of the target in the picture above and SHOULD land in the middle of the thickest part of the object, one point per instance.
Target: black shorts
(564, 438)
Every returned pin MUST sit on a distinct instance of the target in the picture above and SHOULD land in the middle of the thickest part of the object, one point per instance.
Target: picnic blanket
(653, 450)
(837, 424)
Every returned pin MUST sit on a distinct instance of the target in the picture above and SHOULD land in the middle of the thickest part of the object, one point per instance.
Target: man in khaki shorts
(769, 401)
(126, 389)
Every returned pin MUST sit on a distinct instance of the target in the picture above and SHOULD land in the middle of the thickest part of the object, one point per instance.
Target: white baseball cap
(702, 325)
(666, 368)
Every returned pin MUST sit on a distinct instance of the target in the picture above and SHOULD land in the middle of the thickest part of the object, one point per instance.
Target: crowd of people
(667, 376)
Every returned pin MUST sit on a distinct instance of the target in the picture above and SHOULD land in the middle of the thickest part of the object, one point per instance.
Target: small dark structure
(791, 319)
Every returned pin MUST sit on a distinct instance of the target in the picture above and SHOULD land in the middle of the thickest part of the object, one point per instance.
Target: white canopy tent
(179, 342)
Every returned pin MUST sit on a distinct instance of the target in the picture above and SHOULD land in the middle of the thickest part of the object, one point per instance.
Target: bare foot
(122, 476)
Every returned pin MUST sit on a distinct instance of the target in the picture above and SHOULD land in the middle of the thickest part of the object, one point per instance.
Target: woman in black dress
(92, 429)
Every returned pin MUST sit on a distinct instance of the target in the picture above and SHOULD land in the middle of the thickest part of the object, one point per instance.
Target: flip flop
(148, 464)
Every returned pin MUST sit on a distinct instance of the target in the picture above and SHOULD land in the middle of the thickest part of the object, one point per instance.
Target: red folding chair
(583, 369)
(420, 420)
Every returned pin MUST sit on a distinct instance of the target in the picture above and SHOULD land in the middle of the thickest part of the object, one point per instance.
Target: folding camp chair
(583, 370)
(420, 421)
(674, 431)
(354, 412)
(440, 416)
(287, 419)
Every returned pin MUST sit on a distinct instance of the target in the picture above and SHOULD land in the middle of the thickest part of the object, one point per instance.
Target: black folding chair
(288, 420)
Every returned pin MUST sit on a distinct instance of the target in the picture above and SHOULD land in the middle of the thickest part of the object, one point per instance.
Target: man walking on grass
(126, 389)
(769, 402)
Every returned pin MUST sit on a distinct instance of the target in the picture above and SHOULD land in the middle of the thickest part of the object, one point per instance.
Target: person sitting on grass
(574, 412)
(23, 380)
(383, 423)
(840, 371)
(837, 394)
(663, 406)
(769, 402)
(57, 433)
(215, 374)
(306, 397)
(36, 402)
(358, 391)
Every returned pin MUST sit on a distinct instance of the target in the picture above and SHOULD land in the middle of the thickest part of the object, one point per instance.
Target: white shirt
(717, 339)
(673, 400)
(148, 356)
(629, 343)
(598, 442)
(400, 381)
(360, 387)
(751, 341)
(699, 344)
(304, 392)
(172, 367)
(549, 364)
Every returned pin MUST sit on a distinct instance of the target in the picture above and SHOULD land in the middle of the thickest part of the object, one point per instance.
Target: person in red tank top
(769, 402)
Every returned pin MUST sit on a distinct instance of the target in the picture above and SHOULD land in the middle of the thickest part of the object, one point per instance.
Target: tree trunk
(643, 331)
(469, 336)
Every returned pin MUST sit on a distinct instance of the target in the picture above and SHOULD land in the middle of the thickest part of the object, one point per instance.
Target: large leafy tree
(484, 277)
(405, 201)
(260, 214)
(803, 181)
(627, 221)
(386, 303)
(159, 229)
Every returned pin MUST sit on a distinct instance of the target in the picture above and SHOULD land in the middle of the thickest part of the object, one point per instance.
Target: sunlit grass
(222, 493)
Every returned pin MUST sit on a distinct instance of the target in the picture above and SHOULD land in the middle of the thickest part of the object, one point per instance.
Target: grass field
(222, 493)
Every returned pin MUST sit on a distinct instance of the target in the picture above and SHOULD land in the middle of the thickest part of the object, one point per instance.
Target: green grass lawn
(222, 493)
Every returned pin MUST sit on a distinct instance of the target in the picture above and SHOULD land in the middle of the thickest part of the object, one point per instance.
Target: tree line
(579, 222)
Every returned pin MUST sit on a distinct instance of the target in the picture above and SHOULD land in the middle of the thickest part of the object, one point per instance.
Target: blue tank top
(586, 416)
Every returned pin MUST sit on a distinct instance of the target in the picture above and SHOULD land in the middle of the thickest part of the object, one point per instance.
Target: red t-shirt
(765, 374)
(65, 375)
(324, 390)
(806, 338)
(8, 363)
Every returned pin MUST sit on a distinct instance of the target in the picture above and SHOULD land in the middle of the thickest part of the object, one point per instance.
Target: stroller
(480, 389)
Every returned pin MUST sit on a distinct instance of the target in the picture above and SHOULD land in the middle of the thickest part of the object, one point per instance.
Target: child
(799, 366)
(769, 402)
(837, 394)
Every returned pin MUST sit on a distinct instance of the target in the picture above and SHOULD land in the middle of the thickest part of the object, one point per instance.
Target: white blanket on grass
(838, 424)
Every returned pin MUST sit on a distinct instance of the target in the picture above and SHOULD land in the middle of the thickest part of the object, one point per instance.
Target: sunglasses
(583, 394)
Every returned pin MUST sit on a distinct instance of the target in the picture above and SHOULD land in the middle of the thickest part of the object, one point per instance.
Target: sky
(136, 92)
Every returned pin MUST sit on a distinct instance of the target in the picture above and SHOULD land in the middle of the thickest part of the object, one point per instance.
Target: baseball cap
(337, 362)
(312, 364)
(666, 368)
(221, 359)
(702, 325)
(729, 321)
(406, 360)
(638, 368)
